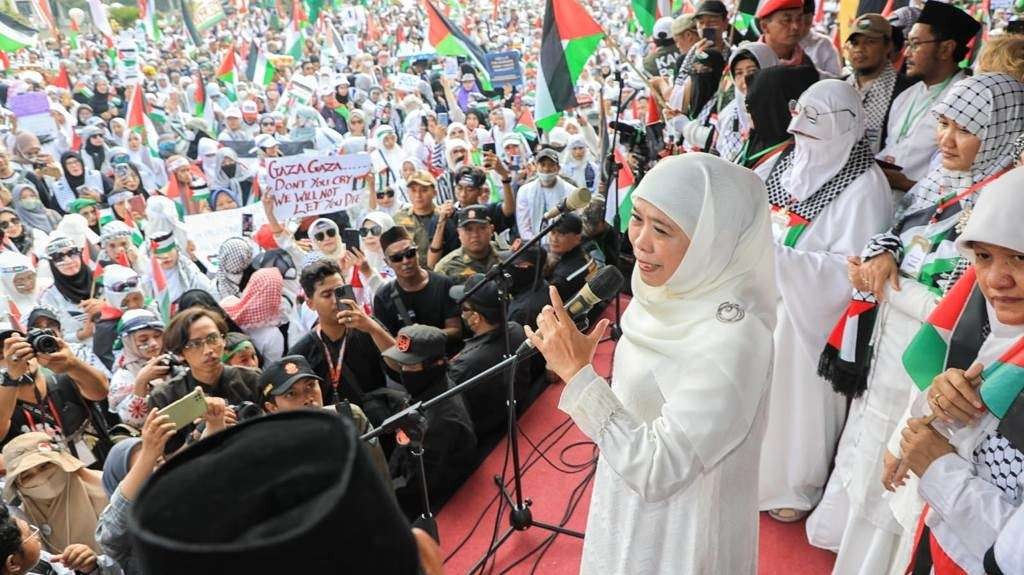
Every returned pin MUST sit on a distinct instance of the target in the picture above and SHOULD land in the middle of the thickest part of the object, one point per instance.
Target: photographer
(54, 400)
(344, 350)
(197, 336)
(45, 318)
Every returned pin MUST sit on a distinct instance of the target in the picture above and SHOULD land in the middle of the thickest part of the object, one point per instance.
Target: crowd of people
(893, 277)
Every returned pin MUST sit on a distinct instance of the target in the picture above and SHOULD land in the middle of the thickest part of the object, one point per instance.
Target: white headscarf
(13, 263)
(707, 331)
(830, 122)
(992, 220)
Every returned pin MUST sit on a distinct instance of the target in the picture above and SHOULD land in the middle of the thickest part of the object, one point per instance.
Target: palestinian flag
(448, 40)
(951, 336)
(147, 13)
(1003, 380)
(138, 120)
(846, 359)
(14, 36)
(569, 38)
(62, 80)
(190, 25)
(647, 12)
(161, 295)
(204, 107)
(226, 74)
(73, 35)
(258, 69)
(293, 37)
(745, 21)
(624, 184)
(315, 7)
(42, 9)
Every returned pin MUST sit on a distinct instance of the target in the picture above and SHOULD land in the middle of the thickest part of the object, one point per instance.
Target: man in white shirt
(935, 46)
(540, 194)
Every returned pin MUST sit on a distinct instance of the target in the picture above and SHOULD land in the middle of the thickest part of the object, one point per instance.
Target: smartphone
(121, 170)
(888, 165)
(709, 34)
(137, 204)
(187, 409)
(246, 225)
(442, 118)
(342, 293)
(489, 147)
(350, 237)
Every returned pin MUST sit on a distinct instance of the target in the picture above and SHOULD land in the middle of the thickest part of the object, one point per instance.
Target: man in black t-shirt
(347, 333)
(415, 295)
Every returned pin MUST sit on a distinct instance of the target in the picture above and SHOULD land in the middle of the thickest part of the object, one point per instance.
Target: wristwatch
(7, 381)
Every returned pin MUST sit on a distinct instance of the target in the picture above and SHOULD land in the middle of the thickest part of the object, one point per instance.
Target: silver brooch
(730, 312)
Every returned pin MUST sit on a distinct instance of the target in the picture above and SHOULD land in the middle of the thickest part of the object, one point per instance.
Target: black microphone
(578, 198)
(606, 284)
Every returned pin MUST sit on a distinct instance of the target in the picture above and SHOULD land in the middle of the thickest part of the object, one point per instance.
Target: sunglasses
(328, 233)
(126, 285)
(370, 231)
(8, 223)
(385, 194)
(61, 256)
(399, 257)
(270, 123)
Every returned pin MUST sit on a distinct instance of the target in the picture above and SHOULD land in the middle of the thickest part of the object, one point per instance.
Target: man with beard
(449, 443)
(869, 49)
(935, 46)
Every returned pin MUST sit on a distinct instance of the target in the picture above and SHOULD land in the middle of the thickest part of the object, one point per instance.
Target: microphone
(606, 284)
(578, 198)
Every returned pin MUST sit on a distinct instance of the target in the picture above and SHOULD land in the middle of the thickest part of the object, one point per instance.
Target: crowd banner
(406, 83)
(311, 184)
(32, 109)
(504, 68)
(206, 13)
(208, 231)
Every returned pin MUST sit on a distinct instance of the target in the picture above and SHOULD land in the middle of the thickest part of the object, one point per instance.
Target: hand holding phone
(341, 293)
(350, 237)
(186, 409)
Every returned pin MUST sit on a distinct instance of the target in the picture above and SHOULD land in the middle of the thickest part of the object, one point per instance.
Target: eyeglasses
(61, 256)
(126, 285)
(8, 223)
(399, 257)
(33, 533)
(270, 123)
(385, 194)
(328, 233)
(913, 45)
(213, 340)
(370, 231)
(811, 113)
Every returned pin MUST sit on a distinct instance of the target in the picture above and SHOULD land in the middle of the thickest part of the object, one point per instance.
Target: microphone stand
(613, 179)
(520, 516)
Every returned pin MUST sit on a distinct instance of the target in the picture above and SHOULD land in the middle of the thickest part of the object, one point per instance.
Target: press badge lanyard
(53, 412)
(334, 370)
(913, 112)
(956, 199)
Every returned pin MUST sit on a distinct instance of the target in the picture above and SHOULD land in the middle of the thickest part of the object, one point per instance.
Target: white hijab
(823, 145)
(993, 220)
(708, 330)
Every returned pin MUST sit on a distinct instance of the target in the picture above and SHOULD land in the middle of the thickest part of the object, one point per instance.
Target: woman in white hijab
(19, 285)
(969, 474)
(827, 198)
(387, 157)
(680, 428)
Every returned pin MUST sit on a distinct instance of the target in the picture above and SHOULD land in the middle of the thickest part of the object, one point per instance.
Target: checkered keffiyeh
(876, 101)
(858, 162)
(990, 106)
(260, 303)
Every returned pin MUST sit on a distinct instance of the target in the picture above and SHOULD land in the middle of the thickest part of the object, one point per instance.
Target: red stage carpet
(557, 480)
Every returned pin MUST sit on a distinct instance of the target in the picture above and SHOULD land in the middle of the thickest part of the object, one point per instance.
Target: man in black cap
(481, 315)
(569, 266)
(541, 193)
(292, 492)
(449, 443)
(290, 383)
(476, 253)
(935, 46)
(471, 188)
(712, 19)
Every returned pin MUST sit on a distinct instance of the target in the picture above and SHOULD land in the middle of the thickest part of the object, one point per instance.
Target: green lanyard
(744, 160)
(913, 113)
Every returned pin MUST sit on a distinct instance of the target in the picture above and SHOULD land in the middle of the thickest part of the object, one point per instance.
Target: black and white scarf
(858, 162)
(876, 101)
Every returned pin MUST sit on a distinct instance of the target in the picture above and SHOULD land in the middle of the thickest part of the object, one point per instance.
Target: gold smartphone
(186, 409)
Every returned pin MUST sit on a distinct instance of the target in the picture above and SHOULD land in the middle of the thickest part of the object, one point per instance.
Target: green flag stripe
(1002, 387)
(925, 357)
(578, 51)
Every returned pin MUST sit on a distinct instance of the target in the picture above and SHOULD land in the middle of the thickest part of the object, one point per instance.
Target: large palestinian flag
(569, 38)
(14, 36)
(448, 40)
(1003, 380)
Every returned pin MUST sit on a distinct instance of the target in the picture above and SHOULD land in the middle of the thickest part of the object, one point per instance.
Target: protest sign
(32, 109)
(206, 13)
(406, 83)
(350, 43)
(504, 68)
(208, 231)
(311, 184)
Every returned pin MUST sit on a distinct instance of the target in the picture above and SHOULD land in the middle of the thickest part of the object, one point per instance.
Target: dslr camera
(43, 340)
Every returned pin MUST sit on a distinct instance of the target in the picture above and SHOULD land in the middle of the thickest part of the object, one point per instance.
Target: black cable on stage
(579, 468)
(529, 463)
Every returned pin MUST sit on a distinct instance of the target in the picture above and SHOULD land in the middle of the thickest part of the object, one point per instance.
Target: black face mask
(229, 171)
(522, 278)
(416, 382)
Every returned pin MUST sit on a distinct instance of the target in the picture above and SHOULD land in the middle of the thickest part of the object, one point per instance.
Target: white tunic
(806, 416)
(822, 52)
(910, 133)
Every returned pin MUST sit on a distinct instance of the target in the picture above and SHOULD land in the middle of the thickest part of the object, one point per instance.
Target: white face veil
(706, 334)
(830, 121)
